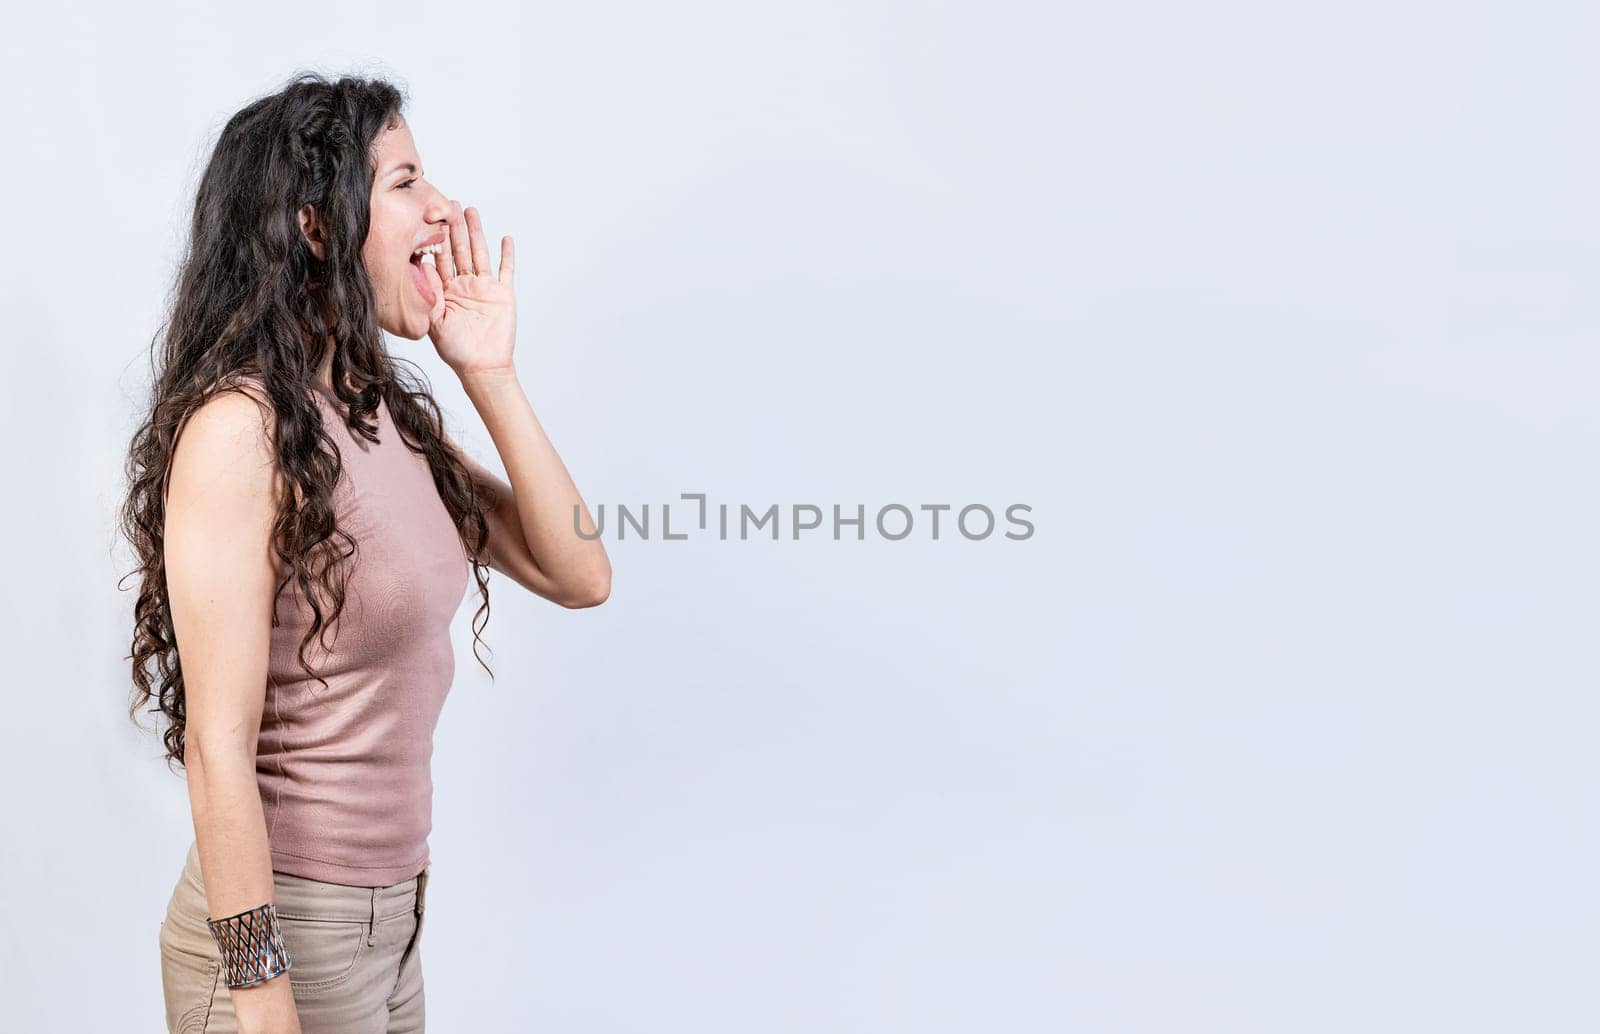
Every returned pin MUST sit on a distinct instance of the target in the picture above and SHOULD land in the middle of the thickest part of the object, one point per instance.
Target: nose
(438, 207)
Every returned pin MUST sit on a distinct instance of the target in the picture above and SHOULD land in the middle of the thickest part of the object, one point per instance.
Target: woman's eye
(407, 184)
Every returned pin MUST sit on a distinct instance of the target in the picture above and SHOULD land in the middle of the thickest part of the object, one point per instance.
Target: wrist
(487, 377)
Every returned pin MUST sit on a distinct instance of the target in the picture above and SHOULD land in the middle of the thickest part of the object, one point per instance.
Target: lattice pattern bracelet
(252, 945)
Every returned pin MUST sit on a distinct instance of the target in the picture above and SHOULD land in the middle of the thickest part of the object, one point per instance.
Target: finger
(507, 260)
(446, 257)
(436, 285)
(480, 250)
(460, 247)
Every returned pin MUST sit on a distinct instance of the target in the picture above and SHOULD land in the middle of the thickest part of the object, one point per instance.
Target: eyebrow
(406, 167)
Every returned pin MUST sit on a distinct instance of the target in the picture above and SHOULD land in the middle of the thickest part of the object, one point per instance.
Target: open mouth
(419, 277)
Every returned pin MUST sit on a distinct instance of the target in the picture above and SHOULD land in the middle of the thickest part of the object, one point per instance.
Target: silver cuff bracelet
(252, 946)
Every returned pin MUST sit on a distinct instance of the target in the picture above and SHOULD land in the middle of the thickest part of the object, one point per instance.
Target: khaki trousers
(356, 951)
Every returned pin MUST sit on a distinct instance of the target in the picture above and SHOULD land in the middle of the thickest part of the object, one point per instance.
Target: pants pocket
(323, 953)
(188, 983)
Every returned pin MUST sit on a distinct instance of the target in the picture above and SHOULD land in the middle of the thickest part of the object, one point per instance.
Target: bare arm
(223, 494)
(532, 537)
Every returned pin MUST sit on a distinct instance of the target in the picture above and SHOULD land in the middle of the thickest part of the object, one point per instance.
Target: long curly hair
(250, 298)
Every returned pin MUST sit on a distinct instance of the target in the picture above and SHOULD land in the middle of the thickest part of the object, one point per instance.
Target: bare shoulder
(224, 453)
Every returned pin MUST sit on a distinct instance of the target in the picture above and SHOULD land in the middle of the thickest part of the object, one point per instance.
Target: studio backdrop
(1100, 498)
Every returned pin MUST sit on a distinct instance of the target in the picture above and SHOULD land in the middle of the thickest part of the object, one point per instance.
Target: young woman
(305, 529)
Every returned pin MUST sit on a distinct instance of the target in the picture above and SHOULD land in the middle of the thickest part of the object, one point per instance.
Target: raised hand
(474, 322)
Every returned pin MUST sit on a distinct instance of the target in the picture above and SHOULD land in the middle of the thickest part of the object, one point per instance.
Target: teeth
(430, 249)
(428, 259)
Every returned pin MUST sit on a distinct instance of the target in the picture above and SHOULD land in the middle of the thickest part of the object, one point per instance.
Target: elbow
(220, 753)
(590, 594)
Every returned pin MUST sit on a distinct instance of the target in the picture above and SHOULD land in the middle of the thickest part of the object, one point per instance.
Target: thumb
(435, 285)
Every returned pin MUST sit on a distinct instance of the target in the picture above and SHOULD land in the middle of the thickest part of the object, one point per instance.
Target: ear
(311, 227)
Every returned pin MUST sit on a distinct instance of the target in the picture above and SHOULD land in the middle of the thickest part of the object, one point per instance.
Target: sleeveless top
(344, 770)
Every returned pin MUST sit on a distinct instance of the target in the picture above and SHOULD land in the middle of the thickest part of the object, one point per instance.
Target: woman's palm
(474, 320)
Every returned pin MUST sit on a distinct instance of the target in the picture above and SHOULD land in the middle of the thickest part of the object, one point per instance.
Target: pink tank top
(344, 769)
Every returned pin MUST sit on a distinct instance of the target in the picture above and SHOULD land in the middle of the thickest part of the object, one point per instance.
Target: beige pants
(356, 951)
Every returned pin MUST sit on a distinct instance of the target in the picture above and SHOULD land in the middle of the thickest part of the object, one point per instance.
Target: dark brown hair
(250, 298)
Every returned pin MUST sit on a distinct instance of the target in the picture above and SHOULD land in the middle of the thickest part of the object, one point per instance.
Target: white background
(1281, 317)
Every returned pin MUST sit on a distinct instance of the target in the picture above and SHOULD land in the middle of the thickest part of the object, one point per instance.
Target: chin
(409, 326)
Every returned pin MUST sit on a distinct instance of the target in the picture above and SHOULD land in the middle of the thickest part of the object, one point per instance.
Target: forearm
(236, 867)
(230, 830)
(546, 497)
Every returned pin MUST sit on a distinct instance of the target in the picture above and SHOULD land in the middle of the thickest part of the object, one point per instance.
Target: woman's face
(407, 213)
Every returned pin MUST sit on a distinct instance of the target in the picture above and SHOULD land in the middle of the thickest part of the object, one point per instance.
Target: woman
(305, 529)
